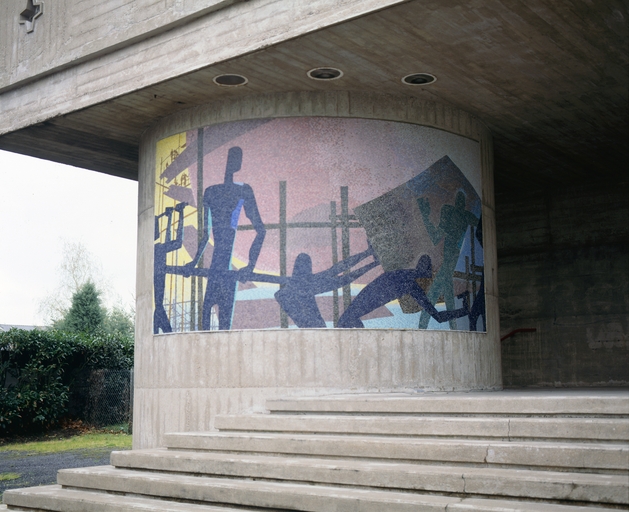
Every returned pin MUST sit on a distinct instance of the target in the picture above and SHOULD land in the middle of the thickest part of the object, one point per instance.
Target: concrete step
(55, 498)
(284, 496)
(581, 429)
(462, 480)
(539, 402)
(584, 456)
(492, 452)
(288, 496)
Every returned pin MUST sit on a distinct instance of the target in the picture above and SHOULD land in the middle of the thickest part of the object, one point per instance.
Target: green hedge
(38, 367)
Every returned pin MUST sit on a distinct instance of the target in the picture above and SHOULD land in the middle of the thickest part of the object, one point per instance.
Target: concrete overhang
(549, 79)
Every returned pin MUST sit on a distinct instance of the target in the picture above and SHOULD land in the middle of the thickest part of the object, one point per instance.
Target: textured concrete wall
(564, 270)
(183, 380)
(69, 31)
(54, 81)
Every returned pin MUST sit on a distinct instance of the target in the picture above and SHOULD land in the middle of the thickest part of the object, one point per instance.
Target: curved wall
(390, 153)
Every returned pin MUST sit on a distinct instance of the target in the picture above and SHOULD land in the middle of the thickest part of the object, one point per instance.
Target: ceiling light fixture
(325, 73)
(419, 79)
(230, 80)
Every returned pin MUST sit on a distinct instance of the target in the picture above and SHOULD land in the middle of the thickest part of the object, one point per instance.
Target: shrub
(38, 367)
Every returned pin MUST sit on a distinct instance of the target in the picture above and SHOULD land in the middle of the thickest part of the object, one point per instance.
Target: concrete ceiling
(549, 78)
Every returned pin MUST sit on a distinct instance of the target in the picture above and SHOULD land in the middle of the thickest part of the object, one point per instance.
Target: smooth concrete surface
(291, 496)
(52, 497)
(395, 475)
(515, 453)
(581, 402)
(434, 426)
(49, 498)
(489, 506)
(182, 381)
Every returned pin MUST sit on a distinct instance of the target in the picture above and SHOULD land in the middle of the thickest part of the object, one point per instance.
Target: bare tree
(78, 266)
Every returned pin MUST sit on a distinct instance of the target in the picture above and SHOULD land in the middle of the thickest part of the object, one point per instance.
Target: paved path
(42, 469)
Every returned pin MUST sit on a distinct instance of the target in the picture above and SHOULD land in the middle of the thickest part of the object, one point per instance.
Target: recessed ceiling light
(325, 73)
(419, 79)
(230, 80)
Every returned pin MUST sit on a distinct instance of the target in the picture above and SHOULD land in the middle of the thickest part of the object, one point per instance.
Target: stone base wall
(196, 376)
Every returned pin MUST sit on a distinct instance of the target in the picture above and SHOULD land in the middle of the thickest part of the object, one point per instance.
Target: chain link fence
(104, 397)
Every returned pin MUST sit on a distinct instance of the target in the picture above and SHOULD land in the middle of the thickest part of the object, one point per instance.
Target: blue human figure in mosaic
(222, 205)
(452, 228)
(393, 285)
(160, 318)
(297, 296)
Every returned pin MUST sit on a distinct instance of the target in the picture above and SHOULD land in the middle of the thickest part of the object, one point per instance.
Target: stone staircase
(495, 451)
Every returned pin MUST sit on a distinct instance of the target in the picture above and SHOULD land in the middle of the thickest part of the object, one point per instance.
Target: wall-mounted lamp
(34, 10)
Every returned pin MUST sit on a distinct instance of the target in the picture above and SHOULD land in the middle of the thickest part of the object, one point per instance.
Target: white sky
(44, 203)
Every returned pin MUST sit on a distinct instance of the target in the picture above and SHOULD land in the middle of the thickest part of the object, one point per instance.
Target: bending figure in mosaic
(452, 228)
(160, 318)
(392, 285)
(222, 204)
(297, 296)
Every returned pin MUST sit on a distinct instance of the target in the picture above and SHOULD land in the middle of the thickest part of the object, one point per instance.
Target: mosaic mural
(315, 223)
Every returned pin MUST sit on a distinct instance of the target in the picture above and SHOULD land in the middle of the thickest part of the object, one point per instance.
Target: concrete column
(381, 160)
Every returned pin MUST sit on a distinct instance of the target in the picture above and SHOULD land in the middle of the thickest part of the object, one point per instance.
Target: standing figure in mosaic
(222, 204)
(160, 318)
(452, 227)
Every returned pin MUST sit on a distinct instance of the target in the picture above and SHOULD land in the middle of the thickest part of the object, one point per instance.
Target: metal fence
(104, 397)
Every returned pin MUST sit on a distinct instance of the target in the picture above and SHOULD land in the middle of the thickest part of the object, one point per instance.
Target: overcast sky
(44, 203)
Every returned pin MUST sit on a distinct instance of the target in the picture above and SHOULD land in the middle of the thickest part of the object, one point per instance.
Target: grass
(87, 441)
(9, 476)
